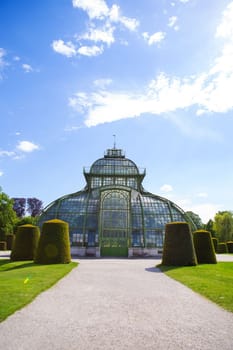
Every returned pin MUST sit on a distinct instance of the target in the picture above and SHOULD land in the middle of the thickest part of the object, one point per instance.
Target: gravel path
(118, 304)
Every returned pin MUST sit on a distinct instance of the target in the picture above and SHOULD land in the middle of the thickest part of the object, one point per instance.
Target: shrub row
(181, 248)
(51, 247)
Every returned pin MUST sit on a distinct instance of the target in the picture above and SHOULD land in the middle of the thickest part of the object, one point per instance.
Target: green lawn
(214, 281)
(21, 282)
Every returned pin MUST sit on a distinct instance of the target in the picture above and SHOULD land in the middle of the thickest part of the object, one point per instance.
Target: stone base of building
(132, 252)
(144, 252)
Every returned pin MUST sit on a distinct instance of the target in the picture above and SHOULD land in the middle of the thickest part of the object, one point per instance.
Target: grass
(22, 281)
(213, 281)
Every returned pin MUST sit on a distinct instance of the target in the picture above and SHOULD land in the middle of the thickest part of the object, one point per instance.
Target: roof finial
(114, 145)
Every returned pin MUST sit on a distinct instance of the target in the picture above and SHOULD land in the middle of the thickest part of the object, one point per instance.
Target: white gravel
(118, 304)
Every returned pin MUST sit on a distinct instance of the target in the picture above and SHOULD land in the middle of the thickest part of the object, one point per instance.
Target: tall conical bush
(178, 249)
(54, 245)
(25, 243)
(204, 247)
(215, 243)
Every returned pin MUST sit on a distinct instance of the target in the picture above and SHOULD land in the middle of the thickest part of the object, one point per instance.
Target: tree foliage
(210, 227)
(34, 206)
(7, 215)
(20, 206)
(223, 225)
(196, 219)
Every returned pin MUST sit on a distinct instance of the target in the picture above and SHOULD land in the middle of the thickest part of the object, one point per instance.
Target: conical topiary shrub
(25, 243)
(222, 248)
(54, 244)
(204, 247)
(178, 249)
(230, 246)
(215, 243)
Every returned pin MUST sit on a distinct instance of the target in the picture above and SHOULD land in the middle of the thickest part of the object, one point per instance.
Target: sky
(158, 74)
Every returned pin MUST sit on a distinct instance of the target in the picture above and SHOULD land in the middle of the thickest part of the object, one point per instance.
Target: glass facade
(114, 212)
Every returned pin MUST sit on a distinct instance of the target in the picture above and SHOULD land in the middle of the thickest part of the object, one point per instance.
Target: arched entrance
(114, 223)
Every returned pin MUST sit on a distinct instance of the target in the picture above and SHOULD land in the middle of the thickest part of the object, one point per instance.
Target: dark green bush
(178, 247)
(25, 243)
(230, 246)
(2, 245)
(222, 248)
(9, 241)
(215, 243)
(204, 247)
(54, 244)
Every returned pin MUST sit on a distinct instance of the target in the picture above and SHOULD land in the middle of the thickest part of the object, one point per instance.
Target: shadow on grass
(164, 268)
(24, 265)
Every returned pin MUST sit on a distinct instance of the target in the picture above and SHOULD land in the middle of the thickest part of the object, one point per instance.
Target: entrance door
(114, 223)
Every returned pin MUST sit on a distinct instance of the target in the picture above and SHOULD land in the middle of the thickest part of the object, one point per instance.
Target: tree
(34, 206)
(19, 206)
(196, 219)
(26, 220)
(7, 215)
(210, 227)
(223, 225)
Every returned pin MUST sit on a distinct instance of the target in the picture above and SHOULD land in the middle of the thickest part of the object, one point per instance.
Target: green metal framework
(114, 211)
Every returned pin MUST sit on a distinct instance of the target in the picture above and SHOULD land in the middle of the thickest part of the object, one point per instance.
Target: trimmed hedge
(230, 246)
(9, 241)
(222, 248)
(25, 243)
(178, 247)
(2, 245)
(54, 244)
(204, 247)
(215, 243)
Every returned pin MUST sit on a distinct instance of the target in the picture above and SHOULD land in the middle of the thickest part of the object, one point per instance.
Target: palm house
(114, 215)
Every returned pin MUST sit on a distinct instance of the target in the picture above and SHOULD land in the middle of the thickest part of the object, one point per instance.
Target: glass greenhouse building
(114, 215)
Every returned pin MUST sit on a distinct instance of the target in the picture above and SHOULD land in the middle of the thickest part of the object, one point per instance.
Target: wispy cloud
(1, 173)
(154, 38)
(101, 28)
(207, 92)
(172, 22)
(3, 62)
(27, 68)
(166, 188)
(90, 50)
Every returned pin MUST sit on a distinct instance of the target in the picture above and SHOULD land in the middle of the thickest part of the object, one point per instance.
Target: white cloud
(101, 28)
(206, 211)
(104, 35)
(7, 153)
(90, 50)
(2, 55)
(27, 146)
(1, 173)
(184, 1)
(95, 9)
(154, 38)
(202, 195)
(67, 49)
(172, 21)
(27, 68)
(102, 83)
(3, 63)
(166, 188)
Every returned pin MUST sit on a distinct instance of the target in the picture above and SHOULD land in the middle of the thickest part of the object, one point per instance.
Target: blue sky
(158, 74)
